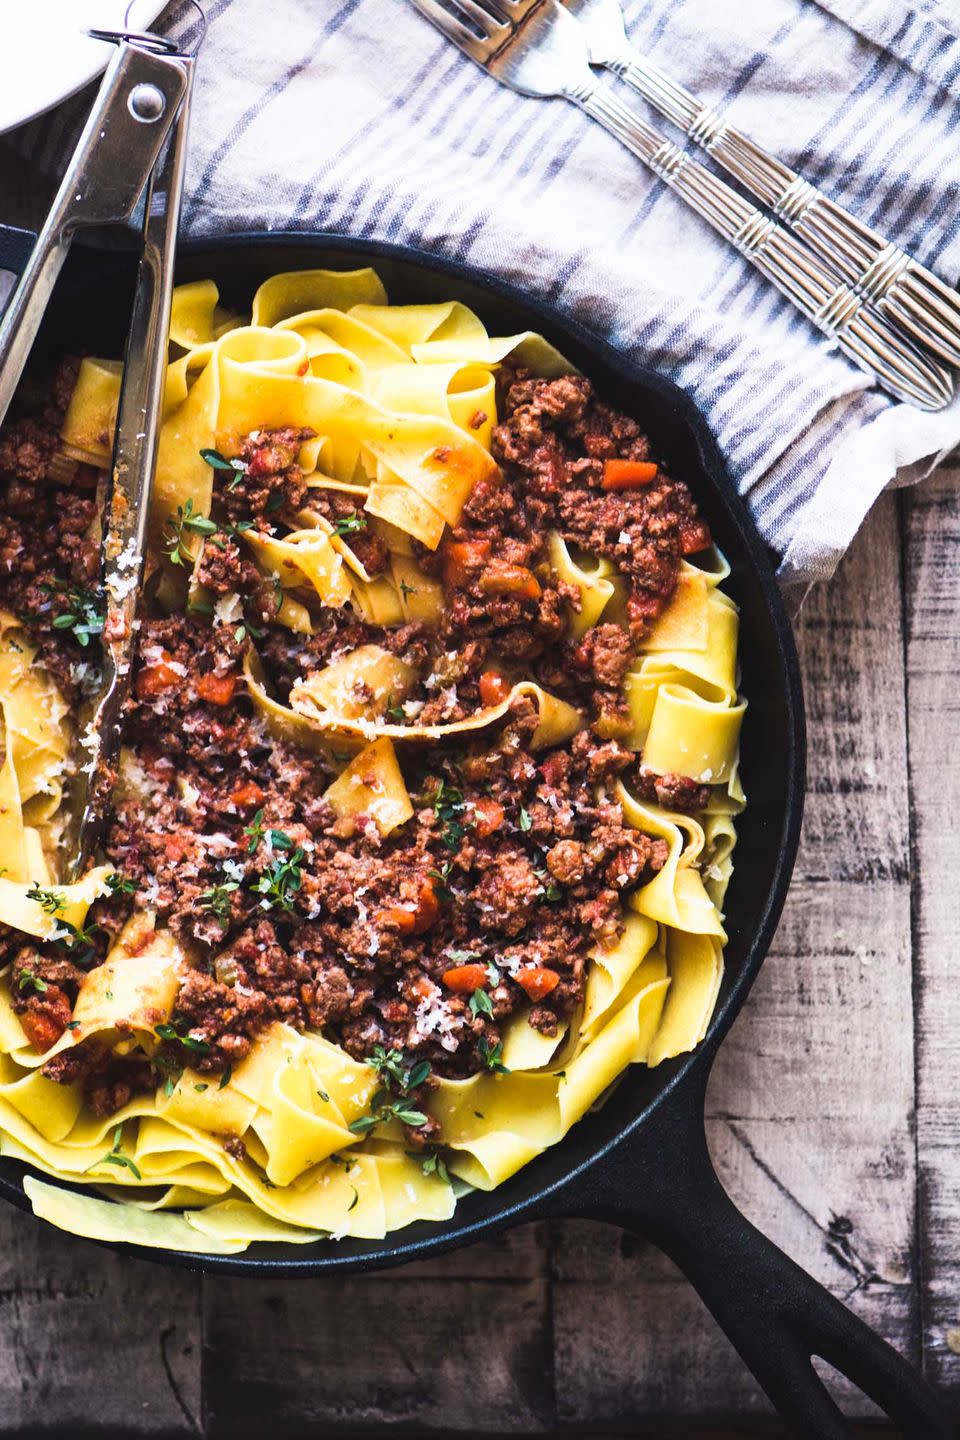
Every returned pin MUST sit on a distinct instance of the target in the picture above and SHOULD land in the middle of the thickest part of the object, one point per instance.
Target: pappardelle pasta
(426, 803)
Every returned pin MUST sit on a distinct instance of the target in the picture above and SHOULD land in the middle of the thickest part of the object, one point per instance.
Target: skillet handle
(666, 1189)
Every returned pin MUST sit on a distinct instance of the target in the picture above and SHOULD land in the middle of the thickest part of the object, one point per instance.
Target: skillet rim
(429, 1238)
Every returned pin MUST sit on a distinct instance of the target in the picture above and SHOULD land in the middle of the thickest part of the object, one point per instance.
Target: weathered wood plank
(429, 1353)
(93, 1339)
(932, 607)
(809, 1116)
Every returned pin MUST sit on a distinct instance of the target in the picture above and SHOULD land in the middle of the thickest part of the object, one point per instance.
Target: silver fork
(883, 273)
(546, 55)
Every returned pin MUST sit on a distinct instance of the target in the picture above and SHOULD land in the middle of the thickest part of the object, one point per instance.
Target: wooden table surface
(831, 1113)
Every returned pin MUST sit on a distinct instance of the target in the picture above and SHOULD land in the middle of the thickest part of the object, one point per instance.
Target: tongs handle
(119, 145)
(134, 462)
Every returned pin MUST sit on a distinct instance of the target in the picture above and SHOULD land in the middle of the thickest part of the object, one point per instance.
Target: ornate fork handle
(788, 263)
(884, 274)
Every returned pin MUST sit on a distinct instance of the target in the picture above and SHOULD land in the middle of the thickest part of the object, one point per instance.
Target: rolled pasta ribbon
(558, 721)
(291, 292)
(196, 316)
(327, 331)
(720, 837)
(676, 895)
(372, 784)
(695, 964)
(378, 600)
(612, 968)
(596, 585)
(448, 332)
(91, 416)
(364, 684)
(465, 393)
(35, 917)
(304, 558)
(689, 735)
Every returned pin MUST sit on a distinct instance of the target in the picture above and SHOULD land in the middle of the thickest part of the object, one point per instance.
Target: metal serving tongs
(133, 144)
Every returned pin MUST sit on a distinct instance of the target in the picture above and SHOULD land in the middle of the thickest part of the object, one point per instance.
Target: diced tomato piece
(494, 687)
(154, 679)
(217, 689)
(464, 979)
(628, 474)
(43, 1027)
(695, 537)
(499, 578)
(537, 982)
(247, 795)
(487, 817)
(462, 559)
(176, 844)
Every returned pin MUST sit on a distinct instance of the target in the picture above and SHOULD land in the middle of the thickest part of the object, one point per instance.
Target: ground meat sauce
(515, 864)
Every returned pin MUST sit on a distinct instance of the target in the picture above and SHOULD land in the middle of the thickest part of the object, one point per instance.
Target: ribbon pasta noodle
(427, 802)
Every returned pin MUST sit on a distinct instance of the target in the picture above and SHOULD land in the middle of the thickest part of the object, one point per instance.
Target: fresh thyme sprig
(51, 902)
(400, 1075)
(281, 880)
(114, 1157)
(184, 523)
(189, 1042)
(216, 461)
(448, 808)
(492, 1056)
(217, 899)
(84, 617)
(350, 524)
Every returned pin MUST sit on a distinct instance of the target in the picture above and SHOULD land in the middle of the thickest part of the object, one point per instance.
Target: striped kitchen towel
(356, 116)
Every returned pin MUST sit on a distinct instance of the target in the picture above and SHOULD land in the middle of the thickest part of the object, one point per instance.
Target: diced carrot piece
(464, 979)
(246, 795)
(397, 917)
(628, 474)
(154, 679)
(428, 908)
(462, 559)
(537, 982)
(217, 689)
(487, 817)
(503, 579)
(494, 687)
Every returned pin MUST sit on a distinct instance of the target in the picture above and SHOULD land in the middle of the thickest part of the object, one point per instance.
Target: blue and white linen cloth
(357, 116)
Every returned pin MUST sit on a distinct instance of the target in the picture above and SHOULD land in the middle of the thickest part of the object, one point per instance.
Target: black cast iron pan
(641, 1161)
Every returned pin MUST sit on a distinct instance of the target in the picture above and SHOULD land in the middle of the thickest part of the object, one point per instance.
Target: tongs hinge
(124, 134)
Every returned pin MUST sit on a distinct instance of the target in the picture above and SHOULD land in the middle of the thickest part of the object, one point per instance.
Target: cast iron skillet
(642, 1161)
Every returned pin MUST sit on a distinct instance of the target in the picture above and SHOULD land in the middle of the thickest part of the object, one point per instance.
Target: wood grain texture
(932, 589)
(93, 1339)
(809, 1117)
